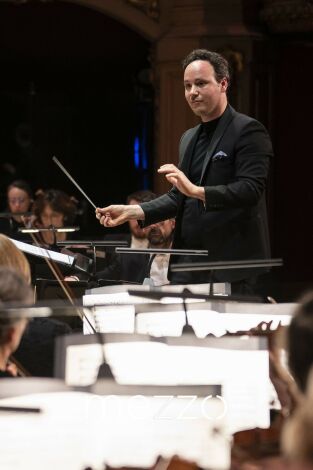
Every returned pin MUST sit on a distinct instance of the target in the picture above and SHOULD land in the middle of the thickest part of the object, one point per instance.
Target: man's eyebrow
(202, 79)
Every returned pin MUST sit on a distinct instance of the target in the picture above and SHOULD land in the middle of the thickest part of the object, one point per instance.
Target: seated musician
(19, 200)
(11, 257)
(13, 288)
(127, 267)
(36, 350)
(138, 236)
(138, 267)
(53, 208)
(135, 238)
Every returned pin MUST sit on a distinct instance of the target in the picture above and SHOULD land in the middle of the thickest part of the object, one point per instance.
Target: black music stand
(93, 244)
(217, 265)
(159, 251)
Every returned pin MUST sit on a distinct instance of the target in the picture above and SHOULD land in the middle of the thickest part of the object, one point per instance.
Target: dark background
(73, 83)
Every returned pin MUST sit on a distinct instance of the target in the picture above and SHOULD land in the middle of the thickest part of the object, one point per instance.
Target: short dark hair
(300, 339)
(218, 62)
(143, 195)
(59, 201)
(23, 185)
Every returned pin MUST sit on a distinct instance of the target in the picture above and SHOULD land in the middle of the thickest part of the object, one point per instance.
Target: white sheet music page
(244, 374)
(111, 319)
(76, 430)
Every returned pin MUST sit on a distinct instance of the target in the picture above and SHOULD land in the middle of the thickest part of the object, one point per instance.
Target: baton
(73, 181)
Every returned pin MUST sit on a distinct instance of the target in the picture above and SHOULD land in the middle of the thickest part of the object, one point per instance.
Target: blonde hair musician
(13, 288)
(12, 257)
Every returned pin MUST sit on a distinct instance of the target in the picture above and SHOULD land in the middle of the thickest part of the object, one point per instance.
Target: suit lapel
(219, 131)
(189, 149)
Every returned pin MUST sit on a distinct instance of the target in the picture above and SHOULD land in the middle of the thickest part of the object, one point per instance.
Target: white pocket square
(219, 155)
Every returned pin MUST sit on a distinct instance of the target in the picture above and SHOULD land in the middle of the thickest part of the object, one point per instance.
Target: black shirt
(191, 219)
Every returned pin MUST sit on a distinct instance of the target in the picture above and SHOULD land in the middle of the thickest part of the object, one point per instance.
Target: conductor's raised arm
(114, 215)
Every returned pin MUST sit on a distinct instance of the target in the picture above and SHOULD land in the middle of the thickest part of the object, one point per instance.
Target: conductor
(218, 193)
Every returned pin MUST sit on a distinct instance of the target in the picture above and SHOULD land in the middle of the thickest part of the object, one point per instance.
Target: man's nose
(194, 90)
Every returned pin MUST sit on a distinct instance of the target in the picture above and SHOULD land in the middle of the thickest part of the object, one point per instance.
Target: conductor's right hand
(114, 215)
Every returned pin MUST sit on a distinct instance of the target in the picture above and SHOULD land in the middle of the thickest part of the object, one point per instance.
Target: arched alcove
(75, 83)
(125, 13)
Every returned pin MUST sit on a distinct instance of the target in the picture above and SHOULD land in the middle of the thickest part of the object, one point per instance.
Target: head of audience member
(13, 258)
(206, 80)
(300, 340)
(54, 208)
(160, 234)
(20, 198)
(13, 288)
(139, 197)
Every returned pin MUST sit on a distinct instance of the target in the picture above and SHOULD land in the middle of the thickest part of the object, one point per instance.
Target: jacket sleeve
(252, 154)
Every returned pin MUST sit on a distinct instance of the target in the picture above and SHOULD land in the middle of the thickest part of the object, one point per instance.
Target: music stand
(217, 265)
(61, 258)
(93, 244)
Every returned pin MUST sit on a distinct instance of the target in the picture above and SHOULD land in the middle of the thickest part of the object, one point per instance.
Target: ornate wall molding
(150, 7)
(288, 15)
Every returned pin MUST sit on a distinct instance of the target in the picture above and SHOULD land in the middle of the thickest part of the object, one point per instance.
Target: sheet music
(244, 374)
(76, 430)
(44, 253)
(222, 288)
(110, 319)
(121, 319)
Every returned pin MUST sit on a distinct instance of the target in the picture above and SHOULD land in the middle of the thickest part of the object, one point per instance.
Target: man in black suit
(218, 194)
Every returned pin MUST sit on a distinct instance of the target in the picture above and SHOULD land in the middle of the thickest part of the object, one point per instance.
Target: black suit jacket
(234, 175)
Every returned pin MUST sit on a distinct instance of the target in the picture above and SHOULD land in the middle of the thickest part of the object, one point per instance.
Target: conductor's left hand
(177, 178)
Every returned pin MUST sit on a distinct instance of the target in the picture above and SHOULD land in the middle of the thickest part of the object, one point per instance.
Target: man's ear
(224, 84)
(173, 223)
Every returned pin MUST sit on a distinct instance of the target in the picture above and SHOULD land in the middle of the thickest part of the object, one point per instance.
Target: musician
(53, 208)
(218, 194)
(19, 200)
(11, 257)
(138, 236)
(110, 266)
(36, 350)
(137, 267)
(13, 288)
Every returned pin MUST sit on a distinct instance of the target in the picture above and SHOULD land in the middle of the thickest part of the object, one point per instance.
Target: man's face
(205, 96)
(160, 234)
(134, 228)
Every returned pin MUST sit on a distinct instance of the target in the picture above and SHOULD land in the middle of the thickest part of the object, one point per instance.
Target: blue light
(136, 152)
(144, 153)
